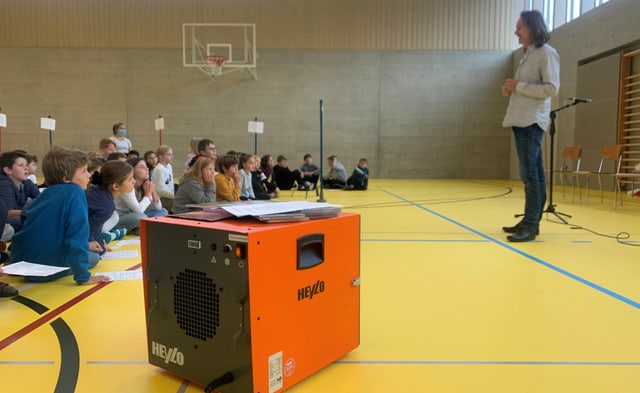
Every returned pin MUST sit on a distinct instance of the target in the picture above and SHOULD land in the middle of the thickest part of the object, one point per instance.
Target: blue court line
(486, 363)
(548, 265)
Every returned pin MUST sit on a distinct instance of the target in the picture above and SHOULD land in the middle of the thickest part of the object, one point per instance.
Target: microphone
(578, 100)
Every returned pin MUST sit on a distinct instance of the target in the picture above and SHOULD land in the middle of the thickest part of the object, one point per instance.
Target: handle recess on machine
(310, 252)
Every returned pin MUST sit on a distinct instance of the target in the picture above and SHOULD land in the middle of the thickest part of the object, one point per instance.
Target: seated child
(142, 202)
(359, 179)
(247, 165)
(117, 155)
(162, 176)
(284, 177)
(228, 180)
(310, 173)
(151, 159)
(106, 147)
(115, 179)
(32, 167)
(56, 226)
(337, 176)
(197, 186)
(15, 190)
(259, 182)
(193, 151)
(265, 168)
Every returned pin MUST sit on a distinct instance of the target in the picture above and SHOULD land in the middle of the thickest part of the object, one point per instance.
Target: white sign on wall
(47, 123)
(256, 127)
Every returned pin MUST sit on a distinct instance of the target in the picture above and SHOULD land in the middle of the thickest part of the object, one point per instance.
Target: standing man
(536, 81)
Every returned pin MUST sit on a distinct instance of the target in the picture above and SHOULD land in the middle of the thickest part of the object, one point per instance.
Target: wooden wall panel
(281, 24)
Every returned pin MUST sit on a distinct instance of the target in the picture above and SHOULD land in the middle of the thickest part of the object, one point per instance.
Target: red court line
(54, 313)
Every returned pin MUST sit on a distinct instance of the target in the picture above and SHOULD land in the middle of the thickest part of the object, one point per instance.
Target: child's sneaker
(122, 232)
(106, 237)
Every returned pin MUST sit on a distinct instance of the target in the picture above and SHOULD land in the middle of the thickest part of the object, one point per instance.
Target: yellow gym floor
(447, 304)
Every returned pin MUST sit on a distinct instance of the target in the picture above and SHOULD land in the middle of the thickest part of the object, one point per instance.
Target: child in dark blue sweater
(359, 179)
(56, 227)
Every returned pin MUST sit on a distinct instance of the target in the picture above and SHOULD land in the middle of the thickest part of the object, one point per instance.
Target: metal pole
(50, 137)
(255, 140)
(321, 196)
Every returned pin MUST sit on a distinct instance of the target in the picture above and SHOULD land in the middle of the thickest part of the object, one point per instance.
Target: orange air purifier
(244, 306)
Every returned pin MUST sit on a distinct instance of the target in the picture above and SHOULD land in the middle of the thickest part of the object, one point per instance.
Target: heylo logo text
(310, 291)
(170, 355)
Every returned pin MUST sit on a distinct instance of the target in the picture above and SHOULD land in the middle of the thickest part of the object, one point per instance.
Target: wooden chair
(610, 160)
(633, 176)
(570, 165)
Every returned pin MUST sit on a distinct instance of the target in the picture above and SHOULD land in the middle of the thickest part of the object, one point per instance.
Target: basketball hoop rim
(217, 60)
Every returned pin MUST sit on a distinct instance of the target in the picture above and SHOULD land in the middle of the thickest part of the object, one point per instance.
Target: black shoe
(515, 228)
(512, 229)
(7, 290)
(523, 235)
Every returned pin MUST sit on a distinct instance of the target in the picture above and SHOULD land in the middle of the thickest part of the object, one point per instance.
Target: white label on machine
(3, 120)
(275, 372)
(238, 238)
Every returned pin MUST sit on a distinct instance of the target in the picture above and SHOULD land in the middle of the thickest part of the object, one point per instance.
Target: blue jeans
(528, 145)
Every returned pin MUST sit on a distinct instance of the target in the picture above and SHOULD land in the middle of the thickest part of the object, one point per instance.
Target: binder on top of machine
(264, 211)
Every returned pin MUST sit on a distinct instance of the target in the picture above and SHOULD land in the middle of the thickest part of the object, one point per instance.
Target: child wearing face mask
(123, 144)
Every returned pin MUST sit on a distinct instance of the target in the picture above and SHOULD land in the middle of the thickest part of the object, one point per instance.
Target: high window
(559, 12)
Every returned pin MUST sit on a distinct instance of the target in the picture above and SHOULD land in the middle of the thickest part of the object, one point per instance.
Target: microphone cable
(621, 237)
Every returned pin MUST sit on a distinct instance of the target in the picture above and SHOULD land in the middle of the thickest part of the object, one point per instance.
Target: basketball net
(216, 61)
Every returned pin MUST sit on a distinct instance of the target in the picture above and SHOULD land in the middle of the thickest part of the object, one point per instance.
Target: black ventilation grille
(196, 304)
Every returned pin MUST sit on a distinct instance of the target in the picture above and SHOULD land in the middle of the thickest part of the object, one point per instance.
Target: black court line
(69, 351)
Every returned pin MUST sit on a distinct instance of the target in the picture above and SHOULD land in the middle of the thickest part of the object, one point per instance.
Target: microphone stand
(551, 208)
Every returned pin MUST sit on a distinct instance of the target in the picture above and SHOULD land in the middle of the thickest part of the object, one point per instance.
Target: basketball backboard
(219, 48)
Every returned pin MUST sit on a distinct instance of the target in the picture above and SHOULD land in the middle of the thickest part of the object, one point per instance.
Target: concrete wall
(413, 114)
